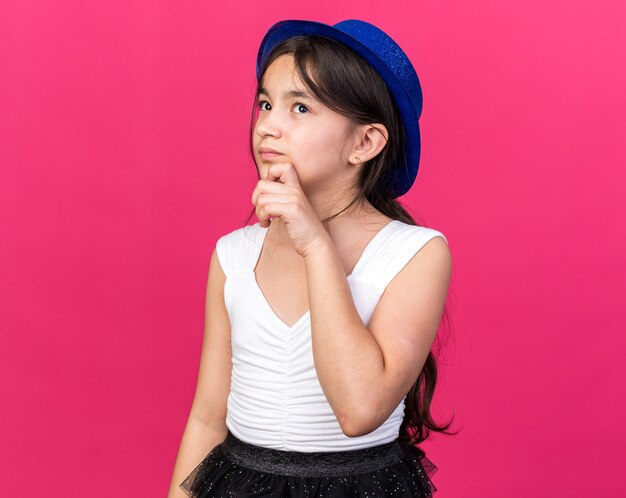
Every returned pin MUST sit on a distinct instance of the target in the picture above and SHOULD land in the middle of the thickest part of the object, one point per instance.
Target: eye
(297, 105)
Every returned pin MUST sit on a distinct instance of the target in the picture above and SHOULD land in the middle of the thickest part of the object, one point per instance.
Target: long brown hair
(346, 83)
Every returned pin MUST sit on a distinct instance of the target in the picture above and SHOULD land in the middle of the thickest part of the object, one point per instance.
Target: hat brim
(406, 169)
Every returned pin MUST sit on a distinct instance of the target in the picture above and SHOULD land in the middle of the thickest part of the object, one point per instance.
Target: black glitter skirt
(235, 468)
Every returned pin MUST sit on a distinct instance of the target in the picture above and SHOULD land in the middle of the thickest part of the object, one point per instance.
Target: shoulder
(420, 232)
(405, 244)
(421, 242)
(424, 253)
(425, 244)
(231, 247)
(237, 235)
(407, 250)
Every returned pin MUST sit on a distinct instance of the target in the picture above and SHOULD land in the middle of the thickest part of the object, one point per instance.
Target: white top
(275, 398)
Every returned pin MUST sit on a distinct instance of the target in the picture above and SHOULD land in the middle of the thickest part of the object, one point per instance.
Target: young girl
(320, 317)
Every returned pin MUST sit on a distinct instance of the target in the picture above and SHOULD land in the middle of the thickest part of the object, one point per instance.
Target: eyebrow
(290, 94)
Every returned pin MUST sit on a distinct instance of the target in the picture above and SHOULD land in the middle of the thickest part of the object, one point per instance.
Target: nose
(268, 124)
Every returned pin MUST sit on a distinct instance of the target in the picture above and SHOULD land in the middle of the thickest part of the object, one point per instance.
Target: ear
(370, 139)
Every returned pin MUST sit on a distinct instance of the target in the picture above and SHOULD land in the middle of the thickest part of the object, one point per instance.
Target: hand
(281, 195)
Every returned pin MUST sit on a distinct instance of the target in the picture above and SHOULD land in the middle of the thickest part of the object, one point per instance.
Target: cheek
(317, 150)
(325, 141)
(317, 158)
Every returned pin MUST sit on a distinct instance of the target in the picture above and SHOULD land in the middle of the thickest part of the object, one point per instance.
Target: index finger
(287, 174)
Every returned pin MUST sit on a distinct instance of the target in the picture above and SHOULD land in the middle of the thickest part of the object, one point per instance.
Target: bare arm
(365, 372)
(197, 441)
(206, 425)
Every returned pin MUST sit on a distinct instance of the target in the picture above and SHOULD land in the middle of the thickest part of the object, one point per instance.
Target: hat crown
(387, 50)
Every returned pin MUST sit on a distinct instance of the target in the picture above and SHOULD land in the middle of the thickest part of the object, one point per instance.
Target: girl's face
(304, 132)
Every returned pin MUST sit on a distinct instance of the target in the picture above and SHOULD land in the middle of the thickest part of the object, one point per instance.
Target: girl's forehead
(282, 71)
(284, 87)
(288, 92)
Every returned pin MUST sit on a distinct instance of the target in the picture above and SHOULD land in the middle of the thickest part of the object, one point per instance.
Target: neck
(357, 212)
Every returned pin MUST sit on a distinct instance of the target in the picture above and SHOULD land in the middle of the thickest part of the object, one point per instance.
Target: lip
(265, 156)
(268, 149)
(267, 153)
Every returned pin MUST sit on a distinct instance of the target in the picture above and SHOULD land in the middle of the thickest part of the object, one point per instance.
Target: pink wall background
(123, 158)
